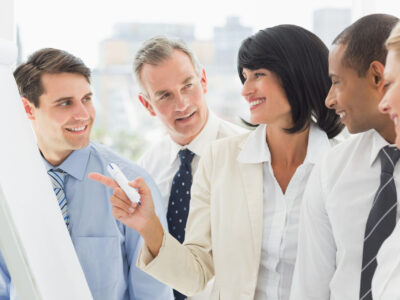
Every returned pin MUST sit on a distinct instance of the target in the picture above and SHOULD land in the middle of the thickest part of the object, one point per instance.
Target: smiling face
(64, 118)
(355, 98)
(176, 95)
(267, 99)
(390, 103)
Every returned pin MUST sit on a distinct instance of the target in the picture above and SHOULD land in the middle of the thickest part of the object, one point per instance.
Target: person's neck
(186, 140)
(54, 158)
(183, 141)
(387, 131)
(287, 149)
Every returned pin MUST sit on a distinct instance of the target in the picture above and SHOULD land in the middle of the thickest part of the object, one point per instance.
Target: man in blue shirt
(55, 90)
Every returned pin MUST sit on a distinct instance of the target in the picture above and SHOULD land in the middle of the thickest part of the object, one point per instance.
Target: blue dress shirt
(107, 249)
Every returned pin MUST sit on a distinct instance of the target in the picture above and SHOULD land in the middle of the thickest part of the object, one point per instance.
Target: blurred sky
(79, 25)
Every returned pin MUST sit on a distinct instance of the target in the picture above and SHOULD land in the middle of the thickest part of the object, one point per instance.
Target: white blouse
(281, 212)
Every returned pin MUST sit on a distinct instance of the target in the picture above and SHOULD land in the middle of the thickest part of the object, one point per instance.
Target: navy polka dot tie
(179, 200)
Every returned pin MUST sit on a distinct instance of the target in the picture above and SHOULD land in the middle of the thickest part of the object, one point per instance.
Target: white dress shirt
(337, 202)
(281, 212)
(161, 161)
(386, 281)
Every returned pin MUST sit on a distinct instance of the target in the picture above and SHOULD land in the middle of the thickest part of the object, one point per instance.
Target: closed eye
(387, 83)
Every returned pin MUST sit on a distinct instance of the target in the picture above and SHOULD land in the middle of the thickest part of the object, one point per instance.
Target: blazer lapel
(252, 177)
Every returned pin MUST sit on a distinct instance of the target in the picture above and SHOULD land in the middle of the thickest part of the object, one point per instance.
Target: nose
(181, 102)
(384, 105)
(330, 101)
(247, 89)
(81, 111)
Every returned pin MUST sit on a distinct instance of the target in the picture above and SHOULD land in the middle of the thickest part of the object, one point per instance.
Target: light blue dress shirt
(107, 249)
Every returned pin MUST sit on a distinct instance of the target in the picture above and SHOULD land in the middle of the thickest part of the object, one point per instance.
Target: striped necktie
(57, 179)
(381, 219)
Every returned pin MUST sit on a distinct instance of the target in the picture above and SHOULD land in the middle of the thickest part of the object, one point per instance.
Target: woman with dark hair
(298, 60)
(247, 192)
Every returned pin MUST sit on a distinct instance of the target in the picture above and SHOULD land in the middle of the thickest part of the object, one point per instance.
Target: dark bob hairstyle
(300, 60)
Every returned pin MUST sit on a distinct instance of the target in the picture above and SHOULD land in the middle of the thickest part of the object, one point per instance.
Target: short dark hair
(300, 60)
(52, 61)
(365, 40)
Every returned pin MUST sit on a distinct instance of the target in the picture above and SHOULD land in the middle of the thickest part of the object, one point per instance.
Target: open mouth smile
(255, 102)
(186, 117)
(77, 129)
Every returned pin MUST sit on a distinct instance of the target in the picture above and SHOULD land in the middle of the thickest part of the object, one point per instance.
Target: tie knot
(57, 177)
(186, 156)
(389, 157)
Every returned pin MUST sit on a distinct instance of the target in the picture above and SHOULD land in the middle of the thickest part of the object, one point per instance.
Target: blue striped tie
(57, 179)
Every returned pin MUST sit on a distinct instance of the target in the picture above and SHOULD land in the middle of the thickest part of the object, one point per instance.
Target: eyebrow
(70, 98)
(187, 79)
(159, 93)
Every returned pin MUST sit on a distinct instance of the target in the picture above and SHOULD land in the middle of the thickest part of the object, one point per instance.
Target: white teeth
(396, 121)
(252, 103)
(77, 129)
(341, 114)
(184, 118)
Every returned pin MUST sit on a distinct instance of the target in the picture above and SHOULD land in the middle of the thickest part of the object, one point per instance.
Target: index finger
(107, 181)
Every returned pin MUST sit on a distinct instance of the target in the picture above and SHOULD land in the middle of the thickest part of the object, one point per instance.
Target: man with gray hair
(173, 87)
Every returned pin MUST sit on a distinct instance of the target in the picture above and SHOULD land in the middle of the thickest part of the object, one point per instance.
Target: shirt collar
(378, 142)
(75, 164)
(318, 144)
(255, 148)
(201, 141)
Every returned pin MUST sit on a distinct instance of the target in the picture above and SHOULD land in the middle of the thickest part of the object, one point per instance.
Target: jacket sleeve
(188, 267)
(142, 285)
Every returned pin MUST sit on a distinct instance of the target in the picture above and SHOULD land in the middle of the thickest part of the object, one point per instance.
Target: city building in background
(227, 40)
(329, 22)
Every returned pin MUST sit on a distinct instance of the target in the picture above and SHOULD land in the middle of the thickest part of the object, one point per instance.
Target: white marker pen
(121, 179)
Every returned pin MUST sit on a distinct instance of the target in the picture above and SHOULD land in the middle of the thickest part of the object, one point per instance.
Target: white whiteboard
(33, 237)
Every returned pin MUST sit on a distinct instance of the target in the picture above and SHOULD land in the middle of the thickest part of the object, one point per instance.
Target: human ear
(146, 103)
(203, 80)
(29, 108)
(377, 69)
